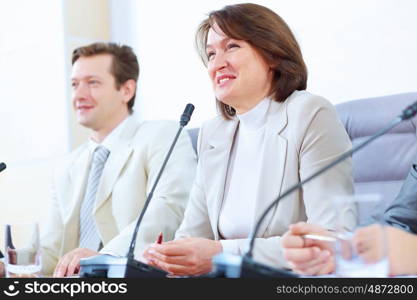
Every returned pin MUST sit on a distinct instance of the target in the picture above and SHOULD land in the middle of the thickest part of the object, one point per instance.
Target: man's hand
(69, 264)
(308, 256)
(2, 270)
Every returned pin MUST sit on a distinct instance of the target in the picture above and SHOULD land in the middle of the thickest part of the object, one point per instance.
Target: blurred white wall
(32, 79)
(33, 112)
(37, 126)
(353, 49)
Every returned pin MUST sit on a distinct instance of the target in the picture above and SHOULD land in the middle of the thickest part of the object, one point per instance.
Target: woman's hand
(188, 256)
(308, 256)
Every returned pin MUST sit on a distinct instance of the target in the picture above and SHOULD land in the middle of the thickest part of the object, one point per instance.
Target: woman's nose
(218, 63)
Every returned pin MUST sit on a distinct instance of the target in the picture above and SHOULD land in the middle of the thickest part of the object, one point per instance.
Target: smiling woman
(270, 135)
(239, 75)
(265, 51)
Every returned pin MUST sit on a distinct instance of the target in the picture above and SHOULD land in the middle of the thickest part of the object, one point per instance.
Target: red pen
(160, 237)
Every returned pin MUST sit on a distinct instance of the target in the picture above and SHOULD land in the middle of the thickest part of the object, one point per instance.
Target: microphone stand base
(253, 269)
(107, 266)
(234, 266)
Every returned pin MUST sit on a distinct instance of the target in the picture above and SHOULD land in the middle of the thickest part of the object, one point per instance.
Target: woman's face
(240, 76)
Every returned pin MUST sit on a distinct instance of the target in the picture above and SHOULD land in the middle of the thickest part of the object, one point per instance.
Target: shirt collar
(111, 140)
(256, 117)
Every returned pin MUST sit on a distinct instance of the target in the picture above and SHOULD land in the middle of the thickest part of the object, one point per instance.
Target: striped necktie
(89, 237)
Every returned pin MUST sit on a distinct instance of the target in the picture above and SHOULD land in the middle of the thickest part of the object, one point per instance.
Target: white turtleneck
(243, 175)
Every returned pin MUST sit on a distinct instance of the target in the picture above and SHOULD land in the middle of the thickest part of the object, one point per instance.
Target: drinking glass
(22, 250)
(361, 250)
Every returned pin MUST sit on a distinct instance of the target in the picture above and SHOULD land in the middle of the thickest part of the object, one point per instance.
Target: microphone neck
(185, 118)
(130, 253)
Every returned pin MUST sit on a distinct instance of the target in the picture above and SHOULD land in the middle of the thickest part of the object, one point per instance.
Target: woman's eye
(232, 45)
(210, 55)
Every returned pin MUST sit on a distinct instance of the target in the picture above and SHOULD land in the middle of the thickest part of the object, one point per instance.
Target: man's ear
(128, 89)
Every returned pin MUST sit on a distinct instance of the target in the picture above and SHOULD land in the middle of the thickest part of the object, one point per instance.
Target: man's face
(97, 102)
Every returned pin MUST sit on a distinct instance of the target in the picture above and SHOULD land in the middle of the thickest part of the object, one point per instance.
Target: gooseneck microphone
(406, 114)
(185, 118)
(186, 115)
(409, 112)
(2, 166)
(127, 267)
(247, 267)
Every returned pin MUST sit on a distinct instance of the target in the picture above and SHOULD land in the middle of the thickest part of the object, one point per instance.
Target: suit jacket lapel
(115, 163)
(273, 162)
(215, 162)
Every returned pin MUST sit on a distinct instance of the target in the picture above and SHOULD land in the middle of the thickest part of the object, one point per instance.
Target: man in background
(100, 190)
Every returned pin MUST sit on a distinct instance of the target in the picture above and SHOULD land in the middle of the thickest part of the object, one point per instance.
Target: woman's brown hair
(268, 33)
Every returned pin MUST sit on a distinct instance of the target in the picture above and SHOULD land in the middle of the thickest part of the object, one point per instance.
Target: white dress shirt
(111, 139)
(243, 176)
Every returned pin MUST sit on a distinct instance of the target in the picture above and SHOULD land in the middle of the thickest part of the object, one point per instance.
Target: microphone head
(2, 166)
(186, 115)
(409, 112)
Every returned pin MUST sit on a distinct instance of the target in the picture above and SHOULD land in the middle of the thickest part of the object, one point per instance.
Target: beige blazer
(127, 178)
(302, 135)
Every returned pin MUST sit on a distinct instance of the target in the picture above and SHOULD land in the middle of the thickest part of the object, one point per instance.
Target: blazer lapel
(115, 163)
(215, 162)
(273, 163)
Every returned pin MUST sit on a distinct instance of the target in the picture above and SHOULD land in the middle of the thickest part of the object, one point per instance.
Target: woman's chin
(226, 101)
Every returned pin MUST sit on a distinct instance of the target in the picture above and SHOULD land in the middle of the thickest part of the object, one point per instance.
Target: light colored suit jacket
(127, 178)
(302, 135)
